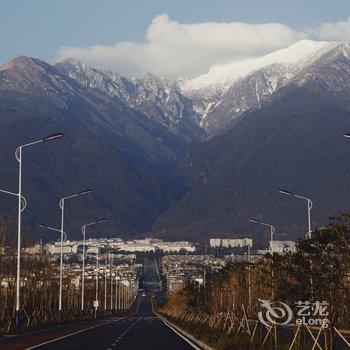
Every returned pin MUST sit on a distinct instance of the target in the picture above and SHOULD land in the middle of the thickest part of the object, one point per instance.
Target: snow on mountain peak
(293, 58)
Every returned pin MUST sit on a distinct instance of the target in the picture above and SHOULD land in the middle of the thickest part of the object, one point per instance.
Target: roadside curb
(196, 341)
(185, 334)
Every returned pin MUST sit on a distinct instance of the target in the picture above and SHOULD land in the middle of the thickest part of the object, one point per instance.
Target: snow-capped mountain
(289, 60)
(212, 103)
(159, 99)
(281, 117)
(294, 109)
(228, 91)
(108, 146)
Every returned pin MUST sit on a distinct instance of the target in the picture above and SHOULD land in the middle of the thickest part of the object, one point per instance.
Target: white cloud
(172, 49)
(338, 31)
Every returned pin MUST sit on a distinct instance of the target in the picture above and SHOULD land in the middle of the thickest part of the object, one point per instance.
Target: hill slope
(294, 142)
(272, 122)
(124, 156)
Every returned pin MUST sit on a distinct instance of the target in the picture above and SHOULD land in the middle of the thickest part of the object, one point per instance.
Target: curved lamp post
(21, 206)
(83, 231)
(309, 207)
(61, 205)
(272, 229)
(54, 229)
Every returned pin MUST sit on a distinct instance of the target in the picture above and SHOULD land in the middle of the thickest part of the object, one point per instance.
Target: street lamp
(309, 207)
(54, 229)
(97, 276)
(22, 203)
(61, 205)
(105, 282)
(272, 229)
(83, 230)
(111, 261)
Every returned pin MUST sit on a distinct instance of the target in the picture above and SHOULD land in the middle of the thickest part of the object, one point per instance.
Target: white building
(281, 247)
(68, 248)
(215, 242)
(93, 249)
(35, 249)
(130, 247)
(236, 242)
(175, 247)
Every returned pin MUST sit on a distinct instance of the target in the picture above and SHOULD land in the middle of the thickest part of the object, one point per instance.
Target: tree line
(225, 311)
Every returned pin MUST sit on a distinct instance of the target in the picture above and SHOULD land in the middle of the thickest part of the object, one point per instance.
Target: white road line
(183, 337)
(69, 335)
(81, 331)
(173, 329)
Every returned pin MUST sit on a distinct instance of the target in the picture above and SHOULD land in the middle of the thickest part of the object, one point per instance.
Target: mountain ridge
(202, 107)
(104, 134)
(241, 171)
(174, 158)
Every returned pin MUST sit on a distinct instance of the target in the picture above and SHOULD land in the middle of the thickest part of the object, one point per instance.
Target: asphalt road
(144, 330)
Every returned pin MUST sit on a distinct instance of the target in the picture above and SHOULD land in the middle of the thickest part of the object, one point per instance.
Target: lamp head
(85, 192)
(53, 137)
(286, 192)
(254, 220)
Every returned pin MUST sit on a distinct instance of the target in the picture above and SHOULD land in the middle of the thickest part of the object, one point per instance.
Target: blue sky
(40, 28)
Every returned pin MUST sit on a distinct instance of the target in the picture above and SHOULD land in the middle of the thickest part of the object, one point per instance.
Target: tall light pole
(118, 295)
(272, 232)
(272, 229)
(105, 281)
(83, 231)
(22, 203)
(111, 260)
(309, 207)
(97, 270)
(61, 205)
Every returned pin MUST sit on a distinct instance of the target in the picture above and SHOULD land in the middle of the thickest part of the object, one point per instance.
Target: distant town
(182, 263)
(97, 245)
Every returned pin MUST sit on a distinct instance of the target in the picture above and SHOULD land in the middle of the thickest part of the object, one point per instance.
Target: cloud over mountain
(338, 31)
(173, 49)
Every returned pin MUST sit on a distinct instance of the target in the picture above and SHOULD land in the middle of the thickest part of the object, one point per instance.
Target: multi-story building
(171, 247)
(236, 242)
(215, 242)
(230, 242)
(68, 247)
